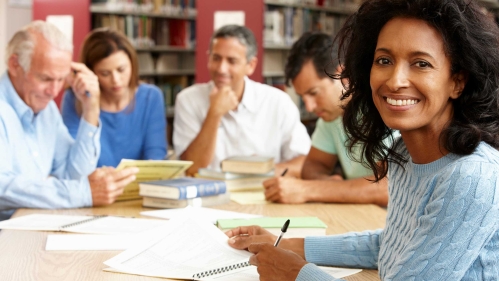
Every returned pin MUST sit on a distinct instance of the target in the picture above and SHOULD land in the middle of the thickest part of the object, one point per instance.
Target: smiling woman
(438, 64)
(430, 69)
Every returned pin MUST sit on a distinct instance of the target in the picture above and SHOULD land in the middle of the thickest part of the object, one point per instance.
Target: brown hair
(103, 42)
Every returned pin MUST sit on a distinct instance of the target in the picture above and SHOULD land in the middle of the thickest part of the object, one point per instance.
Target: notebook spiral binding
(81, 222)
(221, 270)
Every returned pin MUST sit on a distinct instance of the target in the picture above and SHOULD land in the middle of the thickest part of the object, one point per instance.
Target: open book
(188, 249)
(81, 224)
(150, 170)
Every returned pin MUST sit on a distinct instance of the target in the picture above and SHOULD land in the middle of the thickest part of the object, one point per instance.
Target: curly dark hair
(314, 46)
(471, 42)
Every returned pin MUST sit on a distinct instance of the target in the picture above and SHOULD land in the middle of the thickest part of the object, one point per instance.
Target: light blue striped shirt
(41, 165)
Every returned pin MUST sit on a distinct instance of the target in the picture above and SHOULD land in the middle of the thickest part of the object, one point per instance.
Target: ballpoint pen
(87, 93)
(284, 173)
(283, 230)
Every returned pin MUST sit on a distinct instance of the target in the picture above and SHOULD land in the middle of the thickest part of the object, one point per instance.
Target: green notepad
(298, 227)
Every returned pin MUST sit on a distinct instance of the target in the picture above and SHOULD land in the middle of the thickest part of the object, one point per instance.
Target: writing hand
(274, 263)
(285, 190)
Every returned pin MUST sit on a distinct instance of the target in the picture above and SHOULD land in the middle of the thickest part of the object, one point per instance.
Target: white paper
(45, 222)
(182, 248)
(95, 242)
(94, 225)
(222, 18)
(116, 225)
(64, 23)
(207, 214)
(89, 242)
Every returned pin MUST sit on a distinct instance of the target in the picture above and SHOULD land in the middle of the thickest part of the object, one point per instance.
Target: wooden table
(23, 255)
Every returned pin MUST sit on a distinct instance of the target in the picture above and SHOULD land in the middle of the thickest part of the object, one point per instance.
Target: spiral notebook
(81, 224)
(188, 249)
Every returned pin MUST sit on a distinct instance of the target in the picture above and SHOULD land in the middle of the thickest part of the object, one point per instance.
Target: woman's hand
(241, 237)
(274, 263)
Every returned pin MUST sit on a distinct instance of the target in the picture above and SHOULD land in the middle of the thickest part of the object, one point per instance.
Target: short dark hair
(242, 34)
(312, 46)
(471, 42)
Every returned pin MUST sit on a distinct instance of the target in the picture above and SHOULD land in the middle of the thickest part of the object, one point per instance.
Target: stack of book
(248, 164)
(183, 192)
(242, 173)
(236, 181)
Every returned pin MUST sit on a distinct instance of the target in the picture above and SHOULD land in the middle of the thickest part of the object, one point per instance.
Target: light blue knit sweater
(442, 224)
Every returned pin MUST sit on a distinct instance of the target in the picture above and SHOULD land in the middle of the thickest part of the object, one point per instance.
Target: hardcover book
(237, 181)
(182, 188)
(150, 170)
(248, 164)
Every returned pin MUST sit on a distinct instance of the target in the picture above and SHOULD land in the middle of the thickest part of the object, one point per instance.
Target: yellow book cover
(151, 170)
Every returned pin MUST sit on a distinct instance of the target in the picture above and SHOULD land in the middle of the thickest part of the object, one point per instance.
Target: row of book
(210, 187)
(171, 86)
(283, 26)
(321, 3)
(167, 7)
(148, 32)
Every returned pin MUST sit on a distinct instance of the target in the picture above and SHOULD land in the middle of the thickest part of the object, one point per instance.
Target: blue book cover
(182, 188)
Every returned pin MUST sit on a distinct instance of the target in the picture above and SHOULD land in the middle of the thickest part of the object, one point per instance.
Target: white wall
(12, 18)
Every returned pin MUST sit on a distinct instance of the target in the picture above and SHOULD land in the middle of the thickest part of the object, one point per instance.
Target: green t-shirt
(330, 137)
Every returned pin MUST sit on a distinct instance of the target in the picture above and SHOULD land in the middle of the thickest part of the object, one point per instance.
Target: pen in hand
(87, 93)
(284, 173)
(283, 230)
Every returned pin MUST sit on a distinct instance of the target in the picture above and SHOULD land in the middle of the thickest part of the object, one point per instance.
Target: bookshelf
(336, 7)
(284, 22)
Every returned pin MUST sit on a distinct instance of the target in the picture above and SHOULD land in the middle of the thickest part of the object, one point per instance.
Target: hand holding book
(107, 183)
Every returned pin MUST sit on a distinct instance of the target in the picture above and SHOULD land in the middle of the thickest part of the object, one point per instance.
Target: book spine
(182, 192)
(202, 190)
(159, 191)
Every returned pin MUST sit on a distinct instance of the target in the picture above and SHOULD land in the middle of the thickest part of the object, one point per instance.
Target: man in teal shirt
(309, 58)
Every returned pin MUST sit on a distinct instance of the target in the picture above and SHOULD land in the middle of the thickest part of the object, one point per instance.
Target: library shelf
(340, 10)
(102, 9)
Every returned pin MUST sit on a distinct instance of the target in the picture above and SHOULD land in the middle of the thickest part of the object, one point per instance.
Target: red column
(79, 9)
(204, 29)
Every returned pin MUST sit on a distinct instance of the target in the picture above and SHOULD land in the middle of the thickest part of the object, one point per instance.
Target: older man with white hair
(41, 165)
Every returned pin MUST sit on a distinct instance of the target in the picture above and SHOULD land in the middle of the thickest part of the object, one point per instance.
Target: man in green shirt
(309, 60)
